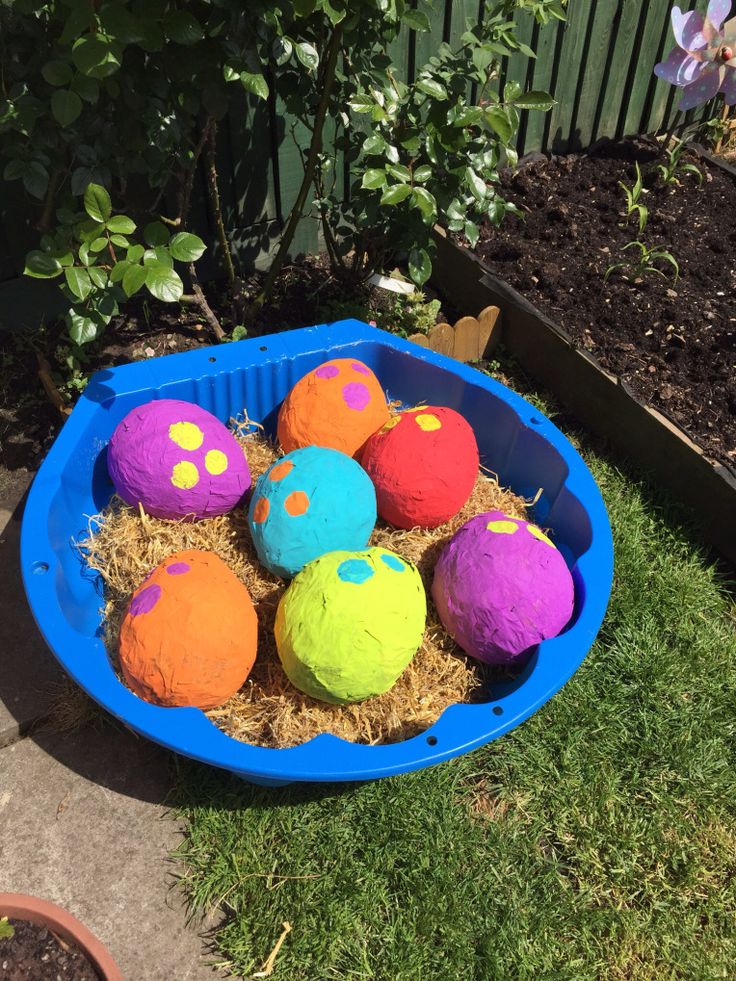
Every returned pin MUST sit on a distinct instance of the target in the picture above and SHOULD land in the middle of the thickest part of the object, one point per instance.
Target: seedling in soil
(632, 200)
(7, 930)
(674, 166)
(646, 261)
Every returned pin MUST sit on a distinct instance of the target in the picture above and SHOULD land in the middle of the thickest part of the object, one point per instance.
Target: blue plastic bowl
(516, 441)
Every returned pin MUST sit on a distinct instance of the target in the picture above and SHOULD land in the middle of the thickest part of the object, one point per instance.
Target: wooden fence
(598, 65)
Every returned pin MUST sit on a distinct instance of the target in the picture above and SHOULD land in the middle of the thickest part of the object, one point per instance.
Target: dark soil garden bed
(34, 953)
(673, 343)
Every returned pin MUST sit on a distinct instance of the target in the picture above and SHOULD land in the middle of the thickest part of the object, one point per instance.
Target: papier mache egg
(423, 463)
(190, 633)
(501, 587)
(177, 460)
(311, 501)
(338, 405)
(350, 623)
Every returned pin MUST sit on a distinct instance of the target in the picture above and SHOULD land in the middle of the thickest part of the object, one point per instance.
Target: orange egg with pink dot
(189, 634)
(338, 406)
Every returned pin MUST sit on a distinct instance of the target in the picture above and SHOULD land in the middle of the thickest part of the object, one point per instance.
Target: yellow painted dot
(538, 533)
(215, 462)
(428, 422)
(393, 421)
(186, 435)
(417, 408)
(502, 527)
(184, 475)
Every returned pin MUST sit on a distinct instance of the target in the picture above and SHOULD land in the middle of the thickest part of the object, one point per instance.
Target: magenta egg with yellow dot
(177, 461)
(311, 501)
(501, 587)
(424, 463)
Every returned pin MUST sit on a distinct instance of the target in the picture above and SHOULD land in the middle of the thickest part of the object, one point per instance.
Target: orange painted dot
(281, 470)
(296, 503)
(260, 511)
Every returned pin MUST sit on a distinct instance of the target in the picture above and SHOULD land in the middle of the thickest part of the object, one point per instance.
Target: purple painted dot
(178, 568)
(145, 601)
(327, 371)
(356, 395)
(357, 366)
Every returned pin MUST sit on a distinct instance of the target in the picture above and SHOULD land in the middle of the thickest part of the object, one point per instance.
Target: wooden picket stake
(471, 339)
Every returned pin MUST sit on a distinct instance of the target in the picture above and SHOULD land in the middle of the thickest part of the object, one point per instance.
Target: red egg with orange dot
(190, 633)
(423, 464)
(337, 406)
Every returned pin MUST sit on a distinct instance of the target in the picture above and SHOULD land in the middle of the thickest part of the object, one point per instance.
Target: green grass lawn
(597, 840)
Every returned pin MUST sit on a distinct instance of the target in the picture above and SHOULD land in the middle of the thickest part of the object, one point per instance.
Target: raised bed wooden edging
(602, 402)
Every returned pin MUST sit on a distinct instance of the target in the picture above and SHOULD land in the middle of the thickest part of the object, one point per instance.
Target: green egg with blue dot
(350, 623)
(311, 501)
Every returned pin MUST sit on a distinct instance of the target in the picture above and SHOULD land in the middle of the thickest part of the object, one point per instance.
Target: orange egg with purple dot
(190, 633)
(338, 405)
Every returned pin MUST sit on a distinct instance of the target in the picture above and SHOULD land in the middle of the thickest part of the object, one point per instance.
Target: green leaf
(307, 54)
(282, 49)
(426, 203)
(374, 144)
(134, 278)
(119, 270)
(361, 103)
(187, 247)
(36, 179)
(431, 87)
(420, 266)
(499, 122)
(82, 328)
(120, 240)
(400, 172)
(121, 224)
(86, 88)
(98, 276)
(472, 233)
(416, 20)
(534, 100)
(135, 253)
(97, 55)
(65, 106)
(159, 255)
(182, 27)
(395, 194)
(57, 72)
(97, 203)
(255, 83)
(476, 184)
(156, 233)
(468, 116)
(163, 282)
(98, 244)
(41, 265)
(78, 281)
(422, 174)
(374, 177)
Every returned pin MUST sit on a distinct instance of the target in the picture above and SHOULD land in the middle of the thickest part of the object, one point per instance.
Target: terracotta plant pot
(16, 906)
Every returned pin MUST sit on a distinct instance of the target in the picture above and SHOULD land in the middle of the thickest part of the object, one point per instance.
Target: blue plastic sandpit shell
(311, 501)
(515, 440)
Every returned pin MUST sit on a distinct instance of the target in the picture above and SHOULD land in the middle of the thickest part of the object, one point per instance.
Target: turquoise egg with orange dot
(311, 501)
(177, 461)
(350, 623)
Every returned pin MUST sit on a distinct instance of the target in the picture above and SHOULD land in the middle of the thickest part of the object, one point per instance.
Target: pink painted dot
(145, 601)
(357, 366)
(327, 371)
(356, 395)
(178, 568)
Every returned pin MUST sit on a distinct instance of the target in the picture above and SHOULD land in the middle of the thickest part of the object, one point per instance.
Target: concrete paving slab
(29, 673)
(84, 824)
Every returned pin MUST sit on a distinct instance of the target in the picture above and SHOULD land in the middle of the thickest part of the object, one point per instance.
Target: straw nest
(124, 545)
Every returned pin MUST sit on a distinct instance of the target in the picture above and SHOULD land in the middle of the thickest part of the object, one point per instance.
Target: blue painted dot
(393, 563)
(354, 570)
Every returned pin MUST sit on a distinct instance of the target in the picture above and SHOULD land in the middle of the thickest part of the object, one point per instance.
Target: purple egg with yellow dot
(311, 501)
(177, 461)
(501, 587)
